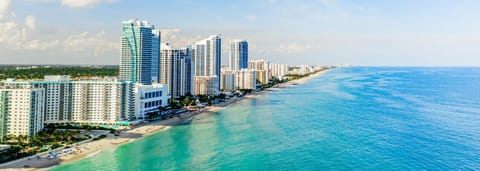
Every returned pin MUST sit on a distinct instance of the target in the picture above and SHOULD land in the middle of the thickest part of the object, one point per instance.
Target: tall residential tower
(206, 58)
(239, 55)
(139, 52)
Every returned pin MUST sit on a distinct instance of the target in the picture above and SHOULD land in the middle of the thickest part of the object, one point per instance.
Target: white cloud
(83, 3)
(4, 4)
(95, 44)
(76, 3)
(175, 37)
(30, 22)
(294, 48)
(250, 17)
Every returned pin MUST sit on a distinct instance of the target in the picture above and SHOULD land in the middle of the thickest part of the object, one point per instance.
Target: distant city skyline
(371, 33)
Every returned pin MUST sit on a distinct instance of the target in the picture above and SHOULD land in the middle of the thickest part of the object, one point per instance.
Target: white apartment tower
(21, 111)
(261, 65)
(176, 70)
(206, 85)
(206, 59)
(89, 101)
(238, 55)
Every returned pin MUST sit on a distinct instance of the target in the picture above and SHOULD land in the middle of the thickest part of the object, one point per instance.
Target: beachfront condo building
(206, 59)
(176, 70)
(260, 65)
(140, 50)
(21, 111)
(278, 71)
(227, 80)
(262, 77)
(149, 99)
(83, 101)
(206, 85)
(238, 55)
(238, 79)
(245, 79)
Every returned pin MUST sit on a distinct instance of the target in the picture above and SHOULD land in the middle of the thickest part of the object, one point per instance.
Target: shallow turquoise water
(350, 118)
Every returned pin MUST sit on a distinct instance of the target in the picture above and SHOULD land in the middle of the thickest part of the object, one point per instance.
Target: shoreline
(111, 142)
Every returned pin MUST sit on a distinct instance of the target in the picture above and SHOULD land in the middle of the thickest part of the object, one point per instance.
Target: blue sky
(368, 32)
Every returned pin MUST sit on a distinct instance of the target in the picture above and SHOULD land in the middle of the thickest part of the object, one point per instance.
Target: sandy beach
(93, 147)
(299, 81)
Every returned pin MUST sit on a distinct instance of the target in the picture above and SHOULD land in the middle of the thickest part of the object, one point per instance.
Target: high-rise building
(207, 56)
(262, 76)
(261, 65)
(206, 85)
(245, 79)
(278, 71)
(227, 80)
(87, 101)
(206, 59)
(139, 52)
(156, 55)
(176, 70)
(238, 79)
(239, 55)
(21, 111)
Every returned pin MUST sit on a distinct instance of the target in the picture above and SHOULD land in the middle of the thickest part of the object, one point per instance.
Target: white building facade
(227, 80)
(206, 85)
(176, 70)
(260, 65)
(238, 55)
(245, 79)
(21, 111)
(149, 99)
(95, 101)
(206, 59)
(278, 71)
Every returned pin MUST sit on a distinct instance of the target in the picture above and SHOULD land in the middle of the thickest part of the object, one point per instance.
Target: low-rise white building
(149, 99)
(21, 111)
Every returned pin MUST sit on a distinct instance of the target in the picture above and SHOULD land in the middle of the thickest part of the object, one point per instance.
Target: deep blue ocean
(358, 118)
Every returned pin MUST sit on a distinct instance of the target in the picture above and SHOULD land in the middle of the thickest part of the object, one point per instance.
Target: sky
(356, 32)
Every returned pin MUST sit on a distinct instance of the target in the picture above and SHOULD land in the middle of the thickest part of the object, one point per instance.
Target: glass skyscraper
(239, 55)
(139, 52)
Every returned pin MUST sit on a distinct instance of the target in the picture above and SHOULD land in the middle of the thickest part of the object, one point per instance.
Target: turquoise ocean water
(355, 118)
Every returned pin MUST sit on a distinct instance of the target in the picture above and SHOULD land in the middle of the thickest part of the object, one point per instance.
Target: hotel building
(148, 99)
(21, 111)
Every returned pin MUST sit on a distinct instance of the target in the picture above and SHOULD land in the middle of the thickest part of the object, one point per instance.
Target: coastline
(111, 142)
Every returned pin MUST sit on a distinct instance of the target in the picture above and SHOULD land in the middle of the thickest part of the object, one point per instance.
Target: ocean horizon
(353, 118)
